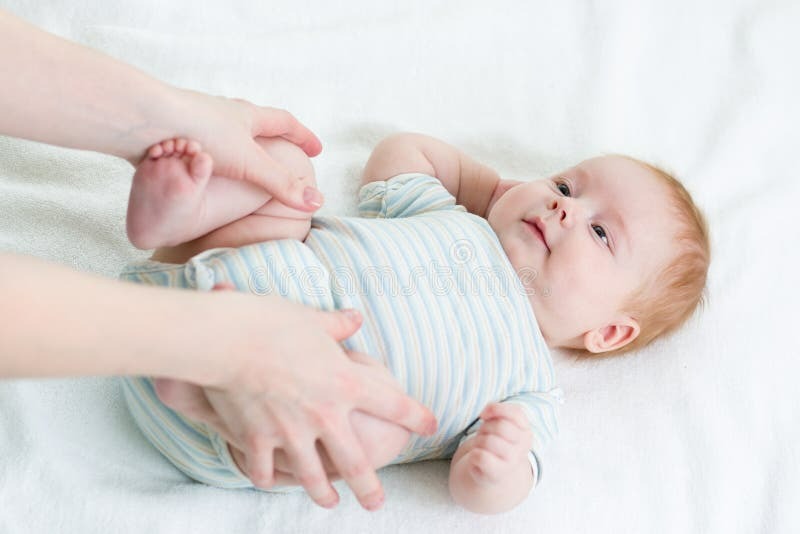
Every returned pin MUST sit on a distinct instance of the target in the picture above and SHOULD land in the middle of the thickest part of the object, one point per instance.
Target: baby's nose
(563, 208)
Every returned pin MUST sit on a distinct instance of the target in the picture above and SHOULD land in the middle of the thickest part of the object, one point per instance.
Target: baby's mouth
(537, 228)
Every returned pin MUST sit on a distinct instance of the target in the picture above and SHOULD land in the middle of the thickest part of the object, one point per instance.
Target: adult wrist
(197, 346)
(157, 116)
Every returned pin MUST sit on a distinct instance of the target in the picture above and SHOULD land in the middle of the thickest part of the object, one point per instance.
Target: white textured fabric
(695, 434)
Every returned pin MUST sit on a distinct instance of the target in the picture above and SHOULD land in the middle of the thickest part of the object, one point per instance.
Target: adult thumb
(262, 170)
(341, 324)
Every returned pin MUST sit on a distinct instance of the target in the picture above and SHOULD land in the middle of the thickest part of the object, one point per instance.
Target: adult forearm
(59, 92)
(59, 322)
(484, 498)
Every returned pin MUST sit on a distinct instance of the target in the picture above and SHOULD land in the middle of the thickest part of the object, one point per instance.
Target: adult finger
(364, 359)
(309, 473)
(353, 466)
(391, 404)
(282, 463)
(248, 427)
(272, 176)
(282, 476)
(259, 459)
(272, 122)
(339, 324)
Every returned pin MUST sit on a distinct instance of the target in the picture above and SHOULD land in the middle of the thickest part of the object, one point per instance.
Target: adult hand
(288, 386)
(272, 371)
(382, 440)
(91, 101)
(226, 129)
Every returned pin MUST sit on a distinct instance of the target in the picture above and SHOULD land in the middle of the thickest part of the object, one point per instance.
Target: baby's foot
(168, 194)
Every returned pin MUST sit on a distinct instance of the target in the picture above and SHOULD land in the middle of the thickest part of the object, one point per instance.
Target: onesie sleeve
(541, 410)
(404, 195)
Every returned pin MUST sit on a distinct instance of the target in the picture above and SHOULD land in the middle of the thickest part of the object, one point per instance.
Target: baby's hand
(503, 440)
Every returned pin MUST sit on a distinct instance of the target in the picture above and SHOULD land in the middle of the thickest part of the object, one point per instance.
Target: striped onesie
(443, 309)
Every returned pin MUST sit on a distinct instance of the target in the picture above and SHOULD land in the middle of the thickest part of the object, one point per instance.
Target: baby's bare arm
(472, 183)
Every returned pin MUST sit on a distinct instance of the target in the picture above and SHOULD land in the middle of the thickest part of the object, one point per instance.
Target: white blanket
(694, 434)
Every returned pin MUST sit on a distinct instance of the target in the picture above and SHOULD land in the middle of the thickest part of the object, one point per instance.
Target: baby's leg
(175, 199)
(273, 219)
(269, 220)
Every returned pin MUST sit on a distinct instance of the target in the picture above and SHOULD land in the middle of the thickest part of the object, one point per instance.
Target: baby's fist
(502, 442)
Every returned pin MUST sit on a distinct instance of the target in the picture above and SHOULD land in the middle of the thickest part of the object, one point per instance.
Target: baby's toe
(155, 151)
(200, 166)
(180, 145)
(192, 147)
(168, 146)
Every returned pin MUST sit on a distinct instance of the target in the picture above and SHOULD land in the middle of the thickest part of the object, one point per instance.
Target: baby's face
(582, 242)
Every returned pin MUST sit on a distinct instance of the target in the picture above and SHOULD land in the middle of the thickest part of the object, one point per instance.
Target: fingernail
(312, 197)
(374, 504)
(432, 427)
(352, 314)
(332, 500)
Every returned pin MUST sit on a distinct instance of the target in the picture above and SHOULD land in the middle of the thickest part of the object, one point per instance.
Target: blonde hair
(666, 300)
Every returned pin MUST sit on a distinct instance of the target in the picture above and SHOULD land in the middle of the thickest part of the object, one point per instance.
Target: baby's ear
(612, 336)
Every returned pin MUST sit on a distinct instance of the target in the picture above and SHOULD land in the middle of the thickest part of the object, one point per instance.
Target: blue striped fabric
(443, 309)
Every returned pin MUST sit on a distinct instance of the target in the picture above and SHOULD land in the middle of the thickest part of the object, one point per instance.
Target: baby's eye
(564, 188)
(601, 233)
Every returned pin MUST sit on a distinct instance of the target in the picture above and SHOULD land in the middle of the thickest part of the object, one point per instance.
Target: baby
(464, 281)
